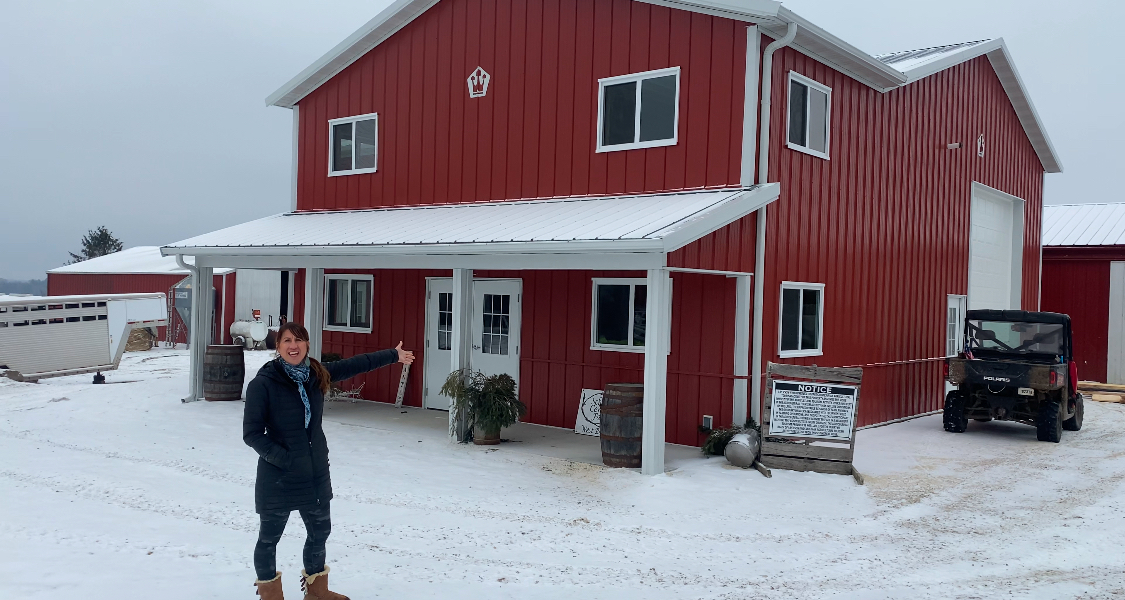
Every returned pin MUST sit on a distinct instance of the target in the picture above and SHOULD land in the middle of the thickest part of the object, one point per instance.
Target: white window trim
(370, 305)
(795, 76)
(355, 146)
(637, 117)
(797, 285)
(632, 283)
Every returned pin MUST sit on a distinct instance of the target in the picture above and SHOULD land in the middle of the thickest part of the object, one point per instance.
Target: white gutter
(760, 237)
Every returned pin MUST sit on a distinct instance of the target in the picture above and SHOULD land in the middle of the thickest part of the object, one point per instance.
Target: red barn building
(1084, 277)
(580, 192)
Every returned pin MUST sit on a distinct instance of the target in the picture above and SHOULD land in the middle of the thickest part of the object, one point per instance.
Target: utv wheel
(1075, 423)
(953, 416)
(1049, 424)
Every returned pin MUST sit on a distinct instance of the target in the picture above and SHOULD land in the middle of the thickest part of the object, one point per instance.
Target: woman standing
(282, 422)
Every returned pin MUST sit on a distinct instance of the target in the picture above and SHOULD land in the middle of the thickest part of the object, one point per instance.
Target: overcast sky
(149, 117)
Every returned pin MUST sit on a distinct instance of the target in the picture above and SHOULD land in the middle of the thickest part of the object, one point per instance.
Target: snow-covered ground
(120, 491)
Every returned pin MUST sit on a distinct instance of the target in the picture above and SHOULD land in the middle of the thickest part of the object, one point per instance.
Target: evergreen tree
(96, 242)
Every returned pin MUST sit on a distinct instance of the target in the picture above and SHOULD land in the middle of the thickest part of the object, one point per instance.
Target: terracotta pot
(485, 438)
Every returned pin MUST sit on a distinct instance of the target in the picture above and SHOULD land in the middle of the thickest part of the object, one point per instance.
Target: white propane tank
(742, 449)
(254, 332)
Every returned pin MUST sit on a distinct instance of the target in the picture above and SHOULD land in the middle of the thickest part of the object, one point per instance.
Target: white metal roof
(1084, 225)
(881, 73)
(650, 223)
(138, 260)
(15, 300)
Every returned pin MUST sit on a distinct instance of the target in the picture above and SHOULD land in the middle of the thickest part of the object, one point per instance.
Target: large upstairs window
(640, 110)
(353, 145)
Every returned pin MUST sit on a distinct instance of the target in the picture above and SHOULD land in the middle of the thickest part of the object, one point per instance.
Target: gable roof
(1084, 225)
(138, 260)
(884, 73)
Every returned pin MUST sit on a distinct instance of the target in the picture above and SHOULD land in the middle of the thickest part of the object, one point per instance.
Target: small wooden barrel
(621, 422)
(224, 372)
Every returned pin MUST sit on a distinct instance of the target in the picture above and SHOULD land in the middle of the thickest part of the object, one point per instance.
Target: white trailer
(50, 336)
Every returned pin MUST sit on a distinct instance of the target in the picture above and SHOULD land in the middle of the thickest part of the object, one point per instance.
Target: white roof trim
(648, 223)
(770, 14)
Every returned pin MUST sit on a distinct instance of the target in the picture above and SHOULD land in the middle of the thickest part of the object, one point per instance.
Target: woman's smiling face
(291, 349)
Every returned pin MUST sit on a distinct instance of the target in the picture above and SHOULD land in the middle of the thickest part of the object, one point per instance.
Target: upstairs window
(353, 145)
(620, 307)
(810, 105)
(348, 305)
(639, 110)
(802, 319)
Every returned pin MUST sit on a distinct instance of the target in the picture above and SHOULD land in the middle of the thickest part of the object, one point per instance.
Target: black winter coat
(293, 460)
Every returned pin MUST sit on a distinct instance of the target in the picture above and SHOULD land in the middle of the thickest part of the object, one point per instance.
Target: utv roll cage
(1018, 316)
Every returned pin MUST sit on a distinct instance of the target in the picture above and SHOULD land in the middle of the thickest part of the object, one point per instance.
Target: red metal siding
(556, 361)
(884, 223)
(1080, 288)
(533, 135)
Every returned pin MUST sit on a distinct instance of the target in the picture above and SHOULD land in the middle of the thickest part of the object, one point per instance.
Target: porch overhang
(606, 232)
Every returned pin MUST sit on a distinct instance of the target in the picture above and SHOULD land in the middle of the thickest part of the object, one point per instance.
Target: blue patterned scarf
(299, 374)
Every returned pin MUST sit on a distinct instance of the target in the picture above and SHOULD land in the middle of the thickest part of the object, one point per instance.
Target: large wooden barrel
(224, 372)
(621, 422)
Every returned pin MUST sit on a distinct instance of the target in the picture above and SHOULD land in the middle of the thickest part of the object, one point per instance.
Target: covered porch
(628, 234)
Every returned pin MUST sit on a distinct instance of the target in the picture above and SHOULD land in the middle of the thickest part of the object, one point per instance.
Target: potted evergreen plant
(488, 403)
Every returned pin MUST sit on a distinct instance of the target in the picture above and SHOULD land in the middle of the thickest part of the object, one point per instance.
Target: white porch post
(657, 338)
(741, 347)
(202, 305)
(314, 309)
(461, 341)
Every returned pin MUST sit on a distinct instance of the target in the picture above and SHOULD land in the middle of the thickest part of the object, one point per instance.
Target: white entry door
(1115, 365)
(995, 255)
(955, 307)
(496, 333)
(496, 326)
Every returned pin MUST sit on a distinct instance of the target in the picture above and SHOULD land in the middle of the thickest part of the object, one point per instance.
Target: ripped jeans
(318, 525)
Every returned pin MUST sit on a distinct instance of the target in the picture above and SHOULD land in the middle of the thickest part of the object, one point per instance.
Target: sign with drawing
(589, 421)
(478, 83)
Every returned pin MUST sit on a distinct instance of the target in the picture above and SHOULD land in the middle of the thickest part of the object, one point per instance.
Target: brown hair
(302, 334)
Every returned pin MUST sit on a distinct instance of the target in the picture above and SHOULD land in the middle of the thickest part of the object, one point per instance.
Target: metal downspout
(760, 236)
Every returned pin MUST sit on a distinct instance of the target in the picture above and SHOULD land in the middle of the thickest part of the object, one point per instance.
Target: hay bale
(139, 340)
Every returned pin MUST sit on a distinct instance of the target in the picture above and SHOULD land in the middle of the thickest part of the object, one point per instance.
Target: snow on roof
(1084, 225)
(641, 223)
(884, 73)
(137, 260)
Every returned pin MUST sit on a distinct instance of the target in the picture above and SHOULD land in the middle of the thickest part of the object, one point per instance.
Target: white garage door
(992, 274)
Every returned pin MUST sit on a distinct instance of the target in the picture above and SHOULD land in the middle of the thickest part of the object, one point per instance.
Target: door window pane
(342, 147)
(790, 319)
(810, 320)
(445, 321)
(797, 115)
(658, 108)
(365, 141)
(361, 301)
(619, 106)
(494, 329)
(613, 315)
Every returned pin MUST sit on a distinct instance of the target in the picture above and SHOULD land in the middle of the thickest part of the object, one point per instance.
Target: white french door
(495, 335)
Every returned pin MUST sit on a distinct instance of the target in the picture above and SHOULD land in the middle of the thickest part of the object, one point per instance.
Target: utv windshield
(1024, 338)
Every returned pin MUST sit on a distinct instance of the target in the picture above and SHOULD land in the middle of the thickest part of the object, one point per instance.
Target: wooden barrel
(224, 371)
(621, 422)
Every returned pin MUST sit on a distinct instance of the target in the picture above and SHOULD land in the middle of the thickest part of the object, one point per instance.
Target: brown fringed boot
(315, 586)
(270, 590)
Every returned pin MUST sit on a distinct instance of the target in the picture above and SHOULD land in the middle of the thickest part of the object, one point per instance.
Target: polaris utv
(1016, 366)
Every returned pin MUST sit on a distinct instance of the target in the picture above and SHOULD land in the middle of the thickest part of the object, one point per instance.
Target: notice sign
(589, 421)
(812, 410)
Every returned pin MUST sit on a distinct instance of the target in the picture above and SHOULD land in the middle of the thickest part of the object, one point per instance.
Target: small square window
(620, 308)
(353, 145)
(809, 116)
(347, 303)
(802, 319)
(639, 110)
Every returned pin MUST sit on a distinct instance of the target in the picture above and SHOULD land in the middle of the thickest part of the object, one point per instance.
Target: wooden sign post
(809, 419)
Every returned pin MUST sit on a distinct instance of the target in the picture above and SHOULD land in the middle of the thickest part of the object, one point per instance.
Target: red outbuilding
(581, 192)
(1084, 277)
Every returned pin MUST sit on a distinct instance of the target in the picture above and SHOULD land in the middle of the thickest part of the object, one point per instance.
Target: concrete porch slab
(542, 440)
